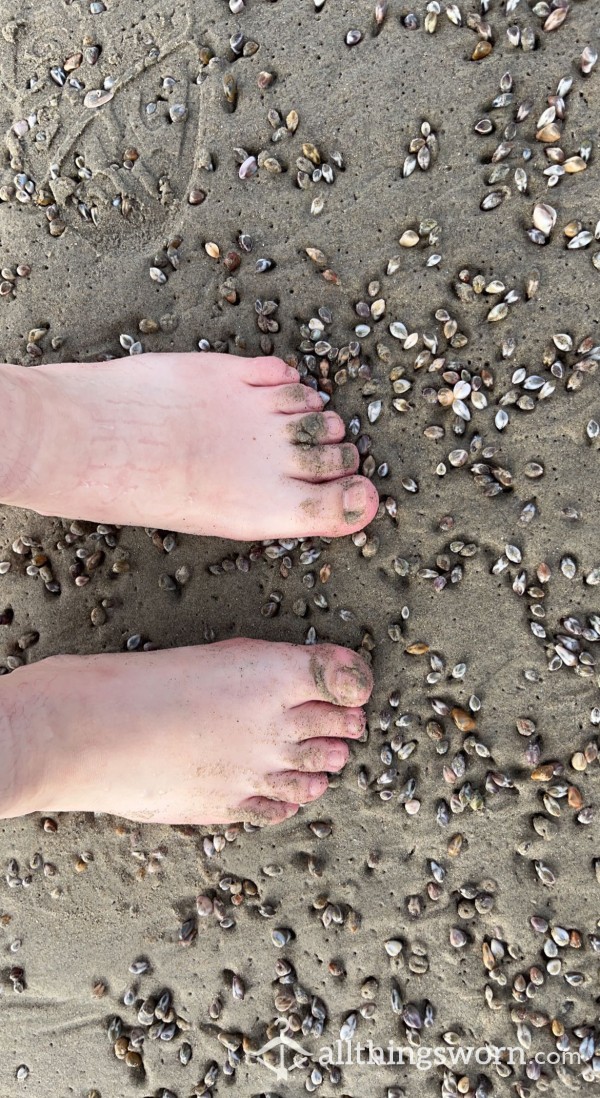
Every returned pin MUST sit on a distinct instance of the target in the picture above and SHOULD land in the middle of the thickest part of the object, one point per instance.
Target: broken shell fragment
(98, 97)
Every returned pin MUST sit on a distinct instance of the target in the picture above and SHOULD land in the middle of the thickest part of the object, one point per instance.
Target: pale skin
(203, 444)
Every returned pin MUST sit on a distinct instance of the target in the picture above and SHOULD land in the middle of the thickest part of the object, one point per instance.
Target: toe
(264, 810)
(296, 399)
(296, 787)
(323, 427)
(314, 719)
(332, 509)
(321, 463)
(268, 371)
(313, 756)
(327, 672)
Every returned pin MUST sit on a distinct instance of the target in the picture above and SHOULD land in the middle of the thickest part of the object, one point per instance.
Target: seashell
(98, 97)
(588, 59)
(556, 18)
(549, 133)
(563, 341)
(544, 217)
(581, 240)
(574, 164)
(482, 50)
(498, 312)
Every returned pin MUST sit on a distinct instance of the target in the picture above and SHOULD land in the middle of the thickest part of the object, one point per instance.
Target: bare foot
(239, 730)
(201, 443)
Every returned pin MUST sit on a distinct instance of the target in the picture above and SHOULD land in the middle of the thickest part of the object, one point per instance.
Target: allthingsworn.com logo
(284, 1054)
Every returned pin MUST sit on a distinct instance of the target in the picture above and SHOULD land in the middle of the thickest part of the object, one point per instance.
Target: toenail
(346, 683)
(311, 428)
(355, 724)
(354, 501)
(315, 787)
(349, 456)
(337, 759)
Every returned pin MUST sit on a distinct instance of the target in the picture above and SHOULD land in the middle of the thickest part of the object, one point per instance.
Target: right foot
(234, 731)
(200, 443)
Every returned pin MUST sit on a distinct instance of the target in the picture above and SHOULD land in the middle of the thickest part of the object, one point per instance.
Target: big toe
(334, 674)
(335, 508)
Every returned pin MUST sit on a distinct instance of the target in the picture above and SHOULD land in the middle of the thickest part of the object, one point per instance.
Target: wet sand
(119, 892)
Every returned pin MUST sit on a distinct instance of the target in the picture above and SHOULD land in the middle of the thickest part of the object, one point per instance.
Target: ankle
(52, 737)
(22, 437)
(22, 766)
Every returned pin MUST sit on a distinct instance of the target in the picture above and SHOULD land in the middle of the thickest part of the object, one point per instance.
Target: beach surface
(398, 908)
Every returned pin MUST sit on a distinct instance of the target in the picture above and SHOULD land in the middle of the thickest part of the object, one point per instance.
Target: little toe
(321, 463)
(296, 787)
(334, 508)
(314, 719)
(299, 398)
(268, 371)
(264, 810)
(313, 756)
(315, 427)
